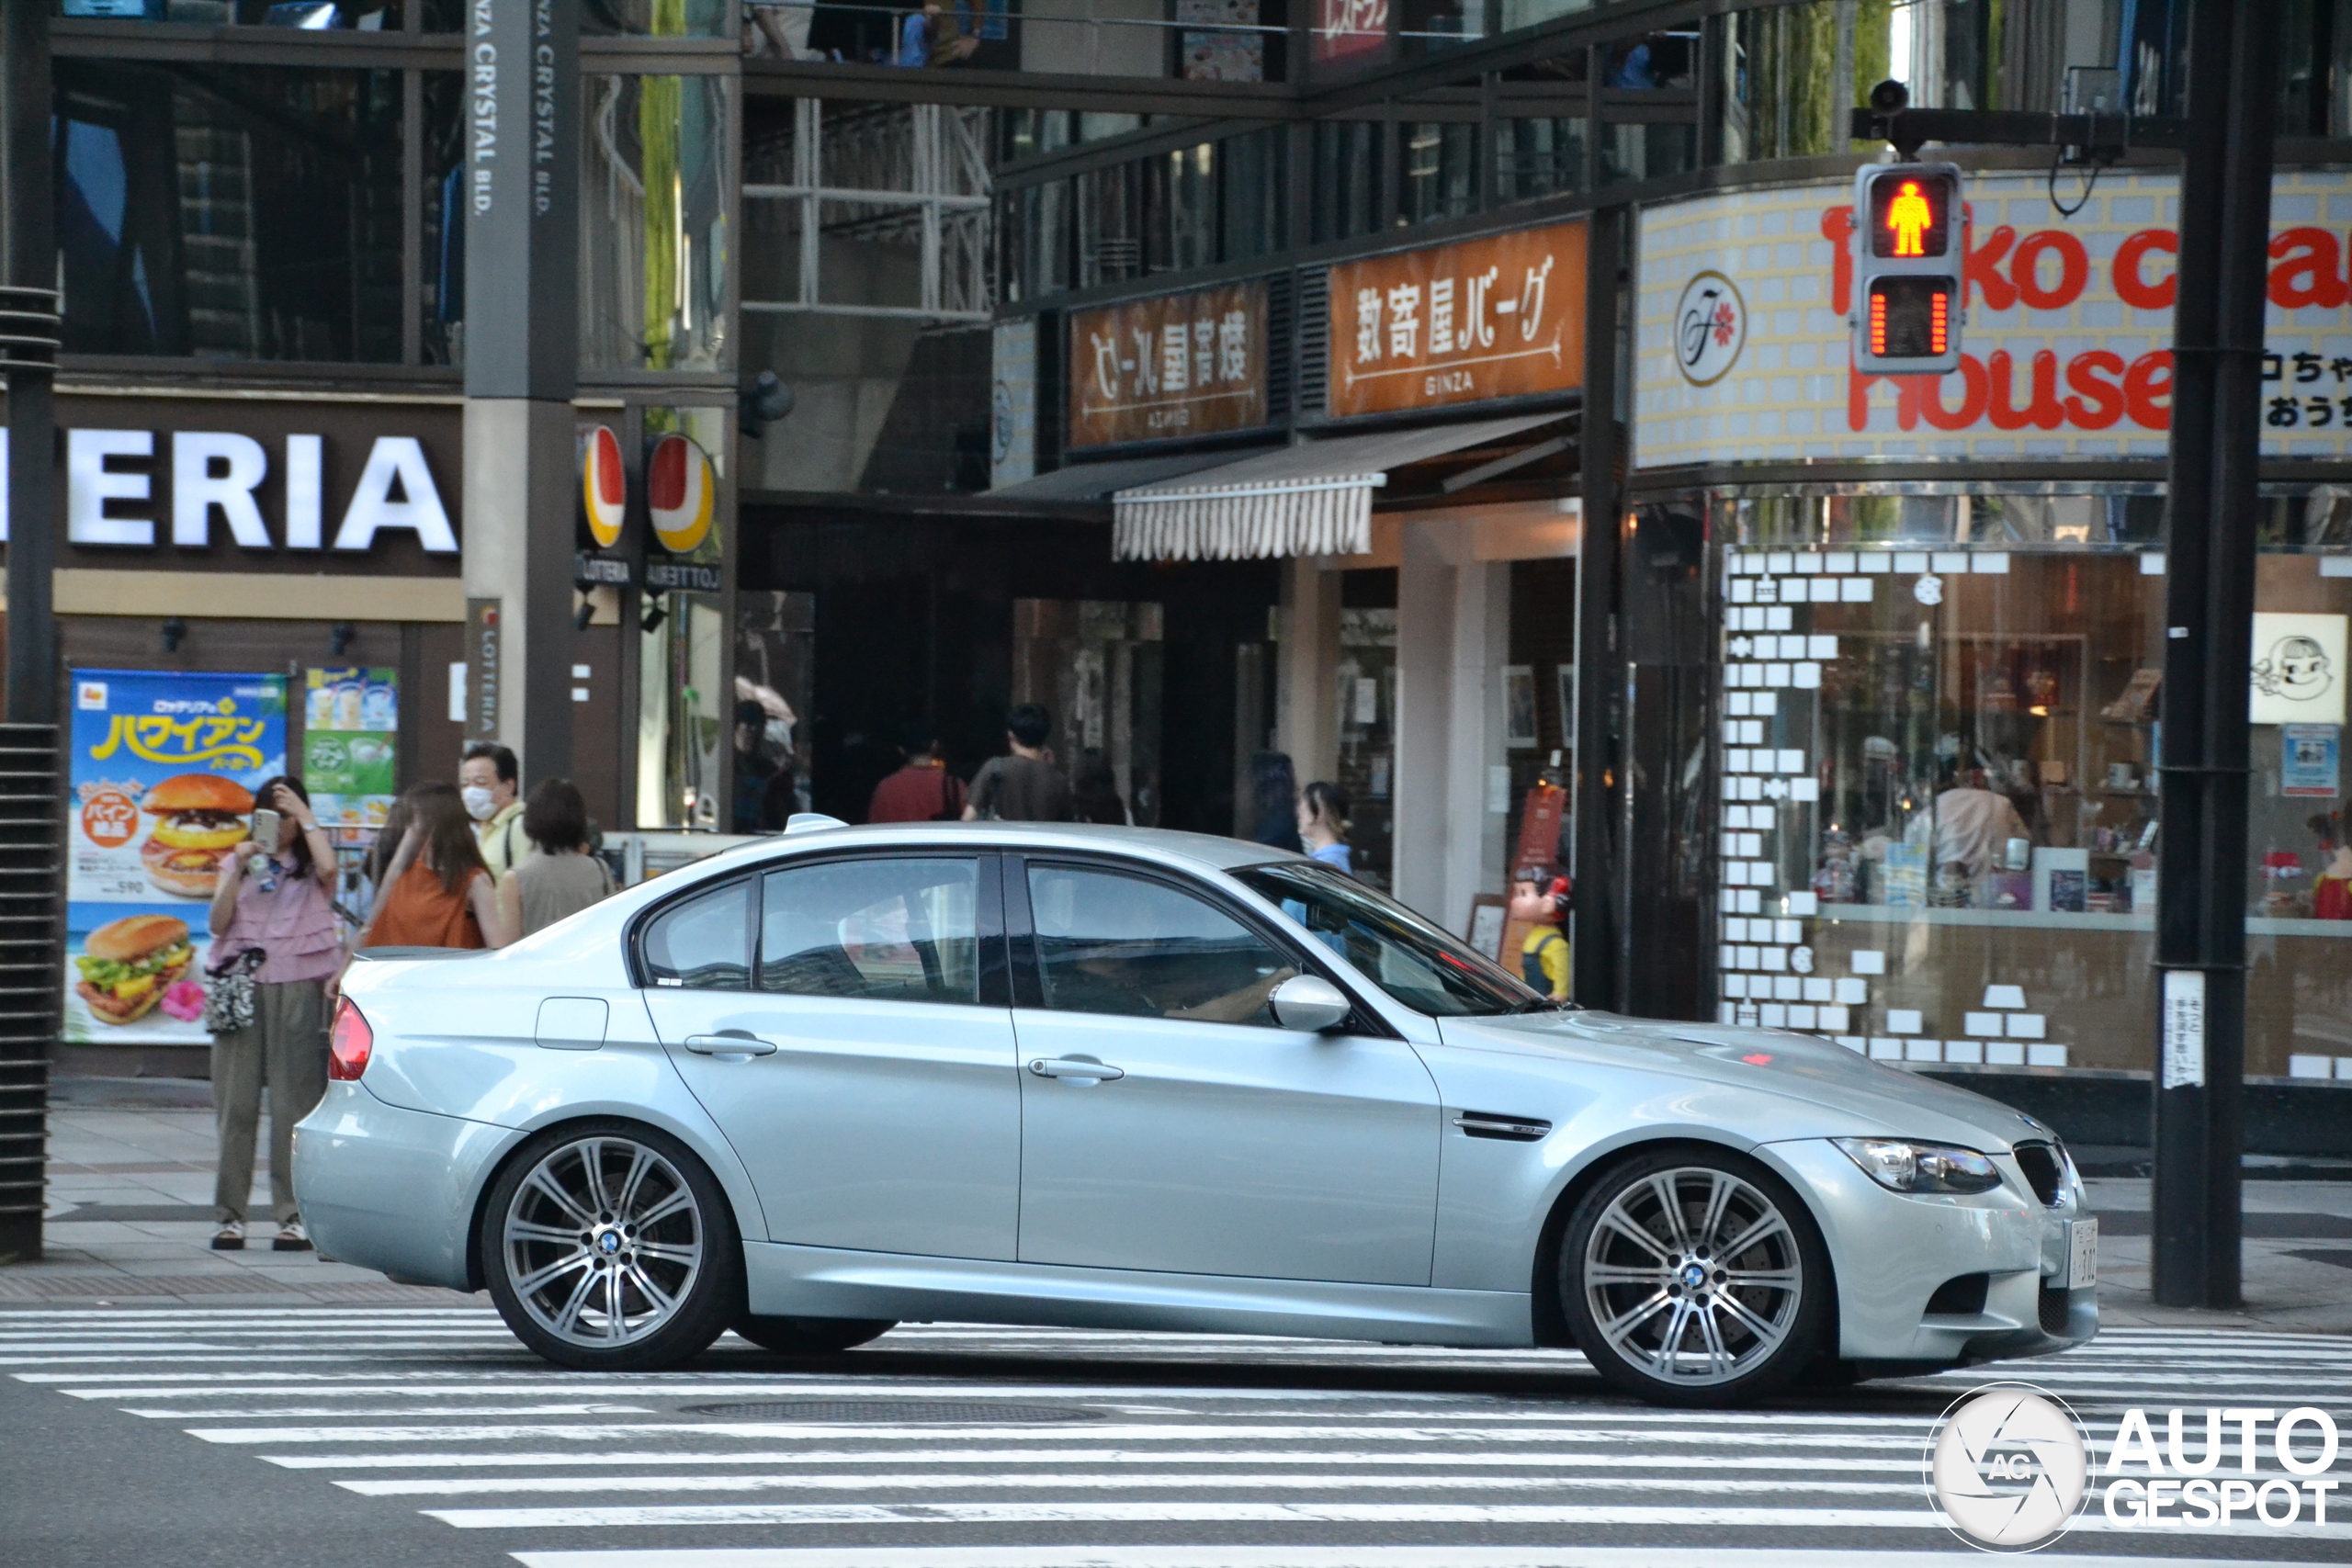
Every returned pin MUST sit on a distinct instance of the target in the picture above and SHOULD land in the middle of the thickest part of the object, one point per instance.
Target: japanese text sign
(1493, 318)
(2068, 349)
(1172, 364)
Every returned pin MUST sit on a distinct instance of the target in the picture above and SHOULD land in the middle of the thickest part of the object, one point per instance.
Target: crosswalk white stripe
(503, 1459)
(1702, 1487)
(313, 1411)
(1180, 1512)
(1105, 1431)
(1166, 1512)
(1169, 1556)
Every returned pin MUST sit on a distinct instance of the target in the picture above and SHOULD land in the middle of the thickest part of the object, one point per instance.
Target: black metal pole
(2208, 620)
(29, 206)
(32, 804)
(1599, 980)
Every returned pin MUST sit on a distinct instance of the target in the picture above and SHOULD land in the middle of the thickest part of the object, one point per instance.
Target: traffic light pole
(2210, 497)
(2209, 621)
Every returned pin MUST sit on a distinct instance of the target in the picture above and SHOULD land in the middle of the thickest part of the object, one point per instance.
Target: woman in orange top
(437, 892)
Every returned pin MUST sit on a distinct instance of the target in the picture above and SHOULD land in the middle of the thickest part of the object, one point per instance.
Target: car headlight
(1901, 1165)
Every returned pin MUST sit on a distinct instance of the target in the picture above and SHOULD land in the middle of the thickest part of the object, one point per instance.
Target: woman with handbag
(273, 950)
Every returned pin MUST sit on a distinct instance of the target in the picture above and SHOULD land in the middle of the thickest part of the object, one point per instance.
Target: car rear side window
(1128, 945)
(885, 929)
(702, 943)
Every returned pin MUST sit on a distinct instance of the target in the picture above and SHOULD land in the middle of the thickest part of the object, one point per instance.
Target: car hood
(1822, 1089)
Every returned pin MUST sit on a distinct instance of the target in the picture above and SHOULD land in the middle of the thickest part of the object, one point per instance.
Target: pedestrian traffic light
(1907, 269)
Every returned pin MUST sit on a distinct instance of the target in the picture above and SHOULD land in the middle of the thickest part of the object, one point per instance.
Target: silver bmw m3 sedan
(1120, 1077)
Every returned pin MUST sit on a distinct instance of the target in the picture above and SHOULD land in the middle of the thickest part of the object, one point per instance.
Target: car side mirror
(1310, 1004)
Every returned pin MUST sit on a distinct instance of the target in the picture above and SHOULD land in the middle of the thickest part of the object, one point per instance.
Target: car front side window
(1131, 946)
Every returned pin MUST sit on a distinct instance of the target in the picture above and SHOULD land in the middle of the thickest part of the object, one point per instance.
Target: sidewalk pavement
(131, 1164)
(129, 1214)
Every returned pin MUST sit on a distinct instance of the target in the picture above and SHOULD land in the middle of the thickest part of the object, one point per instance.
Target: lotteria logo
(213, 475)
(604, 485)
(679, 487)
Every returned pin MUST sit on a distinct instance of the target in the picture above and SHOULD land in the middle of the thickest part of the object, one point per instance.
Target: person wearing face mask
(488, 780)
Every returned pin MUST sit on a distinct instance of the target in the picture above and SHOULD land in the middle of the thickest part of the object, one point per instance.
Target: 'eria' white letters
(217, 471)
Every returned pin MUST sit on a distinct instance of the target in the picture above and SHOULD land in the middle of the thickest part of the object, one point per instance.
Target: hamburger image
(127, 964)
(201, 817)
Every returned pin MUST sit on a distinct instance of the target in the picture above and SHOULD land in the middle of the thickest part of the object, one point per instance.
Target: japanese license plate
(2082, 1262)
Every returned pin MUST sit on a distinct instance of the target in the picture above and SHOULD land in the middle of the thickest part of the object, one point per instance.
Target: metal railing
(915, 172)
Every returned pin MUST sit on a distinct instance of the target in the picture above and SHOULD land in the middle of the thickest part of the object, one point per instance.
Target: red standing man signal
(1910, 216)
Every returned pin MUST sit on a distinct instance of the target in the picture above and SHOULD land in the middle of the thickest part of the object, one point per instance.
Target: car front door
(1170, 1124)
(845, 1023)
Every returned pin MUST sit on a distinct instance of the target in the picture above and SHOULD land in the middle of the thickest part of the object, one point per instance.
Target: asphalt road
(259, 1437)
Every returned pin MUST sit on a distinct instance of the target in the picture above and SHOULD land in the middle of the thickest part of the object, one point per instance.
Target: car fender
(1497, 1197)
(492, 1069)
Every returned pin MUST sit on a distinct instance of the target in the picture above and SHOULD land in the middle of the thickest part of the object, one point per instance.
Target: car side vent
(2054, 1308)
(1511, 1129)
(1961, 1296)
(2040, 1163)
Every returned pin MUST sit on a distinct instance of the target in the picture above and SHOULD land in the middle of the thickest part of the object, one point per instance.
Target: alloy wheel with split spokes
(611, 1247)
(1694, 1277)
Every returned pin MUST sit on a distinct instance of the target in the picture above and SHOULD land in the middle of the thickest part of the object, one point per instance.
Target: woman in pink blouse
(275, 898)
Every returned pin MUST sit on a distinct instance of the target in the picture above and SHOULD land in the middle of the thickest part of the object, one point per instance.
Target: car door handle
(1075, 1067)
(730, 1043)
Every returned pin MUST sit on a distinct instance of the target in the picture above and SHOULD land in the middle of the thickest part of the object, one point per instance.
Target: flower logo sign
(1710, 329)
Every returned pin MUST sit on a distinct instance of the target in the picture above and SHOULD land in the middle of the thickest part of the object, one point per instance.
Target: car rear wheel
(813, 1336)
(608, 1247)
(1694, 1277)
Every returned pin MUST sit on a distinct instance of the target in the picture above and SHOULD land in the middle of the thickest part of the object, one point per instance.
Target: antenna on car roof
(811, 821)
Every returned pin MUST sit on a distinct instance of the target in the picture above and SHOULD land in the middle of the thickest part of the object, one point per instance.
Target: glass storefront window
(653, 19)
(1348, 178)
(1939, 723)
(1365, 701)
(307, 16)
(654, 247)
(683, 736)
(229, 212)
(1537, 158)
(1441, 170)
(441, 226)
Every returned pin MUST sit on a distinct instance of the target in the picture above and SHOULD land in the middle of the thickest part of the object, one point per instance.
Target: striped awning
(1310, 499)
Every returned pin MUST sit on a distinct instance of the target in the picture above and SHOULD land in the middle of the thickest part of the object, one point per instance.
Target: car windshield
(1415, 961)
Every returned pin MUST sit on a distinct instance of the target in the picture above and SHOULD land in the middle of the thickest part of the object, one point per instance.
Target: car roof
(1196, 851)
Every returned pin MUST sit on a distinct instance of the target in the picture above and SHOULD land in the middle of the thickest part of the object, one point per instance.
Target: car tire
(1662, 1309)
(813, 1336)
(608, 1247)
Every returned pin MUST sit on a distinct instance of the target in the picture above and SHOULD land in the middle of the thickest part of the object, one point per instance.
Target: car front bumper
(391, 1188)
(1891, 1251)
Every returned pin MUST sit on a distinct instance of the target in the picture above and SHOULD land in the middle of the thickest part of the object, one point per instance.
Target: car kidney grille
(894, 1412)
(2040, 1163)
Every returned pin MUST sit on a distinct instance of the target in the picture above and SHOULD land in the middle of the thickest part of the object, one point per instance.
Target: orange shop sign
(1494, 318)
(1173, 364)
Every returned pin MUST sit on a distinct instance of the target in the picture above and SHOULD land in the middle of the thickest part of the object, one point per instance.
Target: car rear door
(1211, 1141)
(845, 1022)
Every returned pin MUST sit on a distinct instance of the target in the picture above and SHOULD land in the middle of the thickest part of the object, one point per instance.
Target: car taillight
(348, 1046)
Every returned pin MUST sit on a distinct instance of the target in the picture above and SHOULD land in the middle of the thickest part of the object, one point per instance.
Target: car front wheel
(1694, 1277)
(608, 1247)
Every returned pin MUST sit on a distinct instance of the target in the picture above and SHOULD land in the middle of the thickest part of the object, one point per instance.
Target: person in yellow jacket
(1543, 951)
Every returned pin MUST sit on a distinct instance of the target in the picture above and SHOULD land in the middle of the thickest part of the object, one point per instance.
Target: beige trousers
(286, 1047)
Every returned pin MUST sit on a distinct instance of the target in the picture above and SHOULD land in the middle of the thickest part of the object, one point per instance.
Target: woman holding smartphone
(273, 896)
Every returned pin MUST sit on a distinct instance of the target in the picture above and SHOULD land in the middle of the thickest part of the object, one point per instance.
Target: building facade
(1450, 397)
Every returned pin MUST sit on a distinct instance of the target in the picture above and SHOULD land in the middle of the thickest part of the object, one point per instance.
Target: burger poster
(165, 766)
